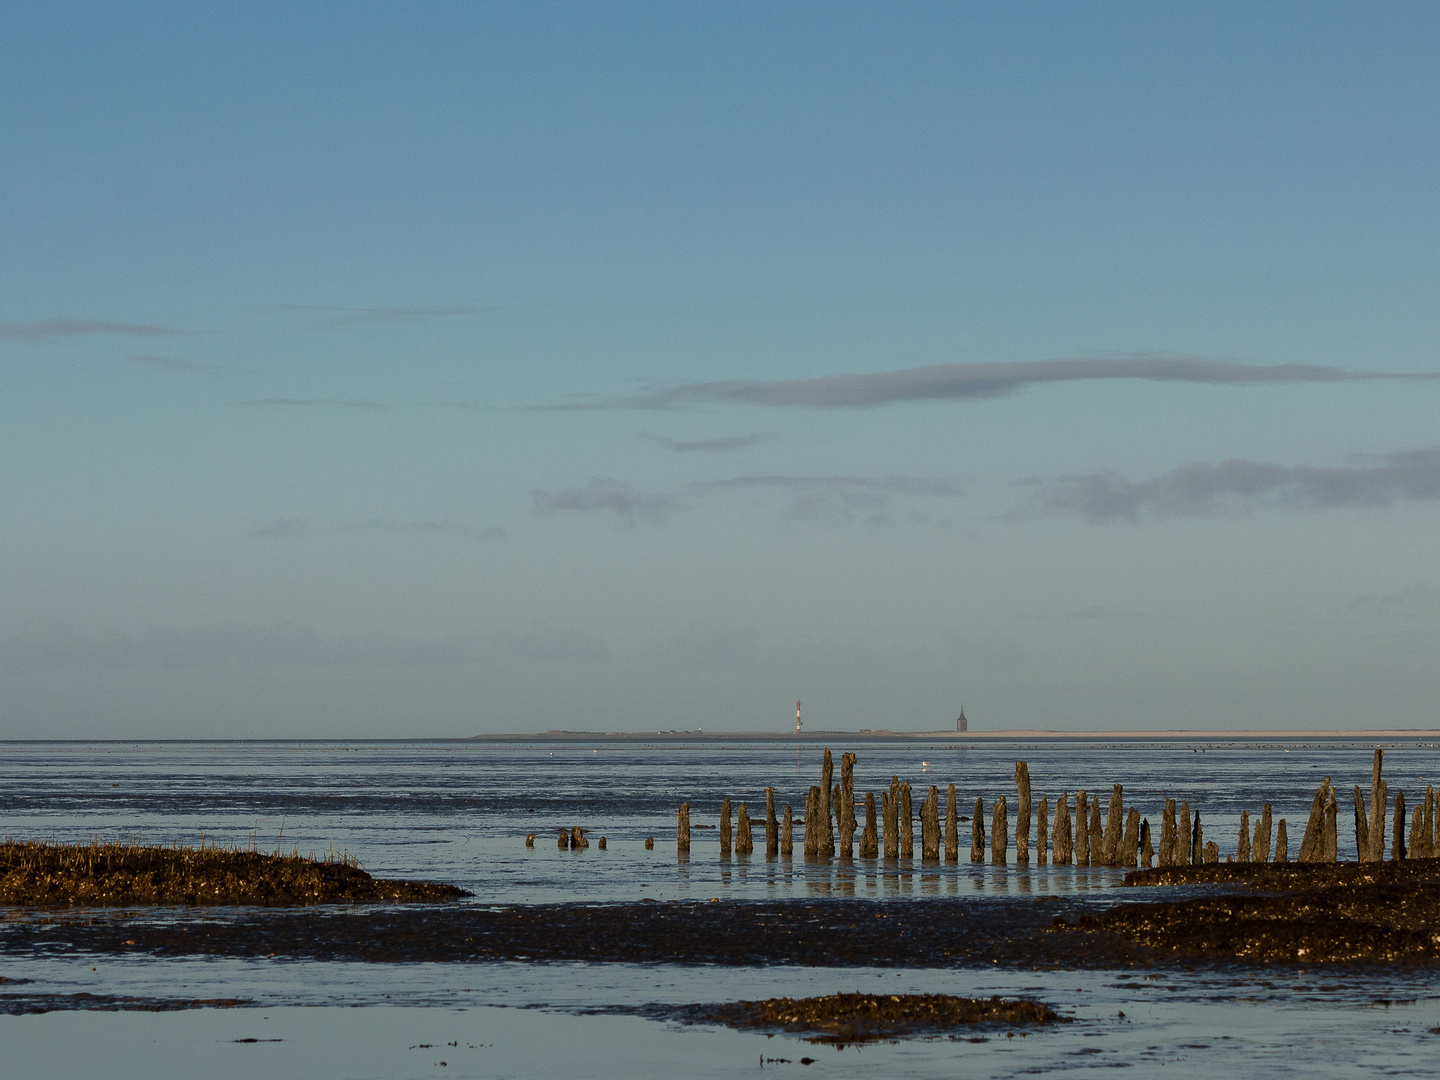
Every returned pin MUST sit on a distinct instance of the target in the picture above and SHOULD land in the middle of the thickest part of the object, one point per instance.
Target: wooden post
(907, 823)
(1242, 853)
(1197, 842)
(930, 826)
(1427, 848)
(999, 833)
(1147, 850)
(1042, 839)
(1397, 851)
(1417, 833)
(1260, 850)
(1331, 845)
(892, 819)
(812, 822)
(1082, 828)
(1312, 844)
(577, 838)
(1022, 813)
(682, 829)
(772, 827)
(1114, 822)
(1097, 836)
(869, 842)
(1282, 843)
(1183, 847)
(825, 834)
(787, 834)
(1130, 845)
(1378, 802)
(725, 827)
(1212, 852)
(977, 833)
(1167, 834)
(564, 839)
(1063, 846)
(952, 827)
(1362, 829)
(744, 845)
(845, 808)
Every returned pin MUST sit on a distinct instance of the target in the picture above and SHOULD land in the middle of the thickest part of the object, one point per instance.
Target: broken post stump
(564, 839)
(907, 823)
(1260, 849)
(787, 834)
(1062, 830)
(1042, 839)
(1082, 828)
(999, 833)
(1114, 821)
(744, 845)
(1130, 845)
(1147, 850)
(1282, 843)
(724, 826)
(825, 833)
(772, 827)
(845, 808)
(1242, 853)
(952, 827)
(892, 819)
(682, 829)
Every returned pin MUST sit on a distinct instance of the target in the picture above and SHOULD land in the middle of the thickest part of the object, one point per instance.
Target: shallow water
(458, 812)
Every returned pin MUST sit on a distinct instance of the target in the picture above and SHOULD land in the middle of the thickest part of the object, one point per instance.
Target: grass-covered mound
(56, 875)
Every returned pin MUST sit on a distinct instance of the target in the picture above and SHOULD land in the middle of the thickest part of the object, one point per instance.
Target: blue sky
(431, 370)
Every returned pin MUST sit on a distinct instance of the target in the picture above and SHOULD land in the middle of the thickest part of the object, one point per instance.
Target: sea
(460, 812)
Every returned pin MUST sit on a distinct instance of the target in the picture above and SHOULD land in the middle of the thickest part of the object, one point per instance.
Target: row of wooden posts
(1123, 838)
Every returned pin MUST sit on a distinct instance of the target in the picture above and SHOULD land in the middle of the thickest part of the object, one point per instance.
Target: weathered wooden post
(1042, 839)
(1062, 830)
(1022, 813)
(892, 819)
(1242, 853)
(564, 839)
(1114, 822)
(977, 833)
(825, 835)
(1212, 851)
(724, 826)
(682, 829)
(772, 827)
(1130, 846)
(907, 823)
(744, 845)
(845, 811)
(530, 840)
(1379, 800)
(999, 833)
(1282, 843)
(1417, 833)
(1167, 833)
(1082, 828)
(1197, 842)
(1147, 849)
(1332, 845)
(1260, 850)
(930, 826)
(812, 822)
(1428, 831)
(1397, 850)
(1183, 847)
(1362, 829)
(1312, 844)
(787, 834)
(1097, 835)
(869, 842)
(952, 827)
(649, 843)
(577, 838)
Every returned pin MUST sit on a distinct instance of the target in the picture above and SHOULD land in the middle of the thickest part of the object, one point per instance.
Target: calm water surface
(459, 812)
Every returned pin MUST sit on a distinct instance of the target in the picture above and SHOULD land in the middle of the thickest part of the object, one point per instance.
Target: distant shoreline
(959, 737)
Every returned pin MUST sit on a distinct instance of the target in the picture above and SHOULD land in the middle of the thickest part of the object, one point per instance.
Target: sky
(441, 369)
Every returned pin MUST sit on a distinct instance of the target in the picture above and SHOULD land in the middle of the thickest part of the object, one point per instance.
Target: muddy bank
(852, 1018)
(1309, 913)
(109, 875)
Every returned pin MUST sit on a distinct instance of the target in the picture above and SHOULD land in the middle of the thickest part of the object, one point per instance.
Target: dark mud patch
(935, 933)
(854, 1018)
(110, 875)
(31, 1004)
(1303, 913)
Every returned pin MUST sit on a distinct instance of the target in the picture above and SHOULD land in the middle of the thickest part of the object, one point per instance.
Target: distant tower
(797, 718)
(962, 724)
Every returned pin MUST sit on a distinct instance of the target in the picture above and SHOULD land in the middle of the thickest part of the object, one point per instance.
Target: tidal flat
(623, 961)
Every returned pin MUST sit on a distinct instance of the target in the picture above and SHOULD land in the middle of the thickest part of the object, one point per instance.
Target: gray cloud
(53, 328)
(605, 495)
(170, 363)
(323, 317)
(1420, 598)
(312, 403)
(46, 645)
(284, 528)
(865, 487)
(944, 382)
(687, 446)
(1107, 614)
(1235, 485)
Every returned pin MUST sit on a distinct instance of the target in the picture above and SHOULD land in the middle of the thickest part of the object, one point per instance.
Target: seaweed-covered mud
(1299, 913)
(108, 875)
(851, 1018)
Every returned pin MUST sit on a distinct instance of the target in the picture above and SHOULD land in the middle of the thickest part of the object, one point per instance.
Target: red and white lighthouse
(797, 718)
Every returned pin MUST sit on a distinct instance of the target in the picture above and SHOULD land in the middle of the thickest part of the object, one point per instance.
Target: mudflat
(107, 875)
